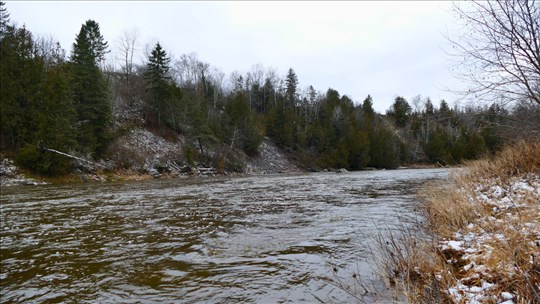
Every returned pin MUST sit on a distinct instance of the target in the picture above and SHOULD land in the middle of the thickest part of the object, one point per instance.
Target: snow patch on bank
(511, 220)
(149, 151)
(144, 151)
(10, 175)
(271, 159)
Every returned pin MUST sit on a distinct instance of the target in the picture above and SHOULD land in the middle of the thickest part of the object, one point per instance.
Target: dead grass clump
(410, 265)
(486, 242)
(519, 159)
(446, 209)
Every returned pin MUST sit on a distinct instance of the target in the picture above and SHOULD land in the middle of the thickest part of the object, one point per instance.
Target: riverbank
(484, 235)
(11, 175)
(142, 155)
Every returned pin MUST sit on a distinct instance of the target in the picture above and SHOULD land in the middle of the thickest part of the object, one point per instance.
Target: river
(255, 239)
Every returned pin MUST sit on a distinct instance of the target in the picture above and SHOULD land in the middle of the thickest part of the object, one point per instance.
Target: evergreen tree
(55, 120)
(474, 145)
(384, 149)
(98, 45)
(157, 80)
(90, 47)
(444, 112)
(358, 144)
(20, 72)
(36, 104)
(492, 126)
(400, 110)
(269, 95)
(439, 146)
(280, 125)
(368, 114)
(90, 89)
(429, 110)
(291, 83)
(4, 19)
(367, 106)
(244, 131)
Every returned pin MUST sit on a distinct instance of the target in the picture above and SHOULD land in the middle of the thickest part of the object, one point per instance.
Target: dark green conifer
(90, 91)
(157, 84)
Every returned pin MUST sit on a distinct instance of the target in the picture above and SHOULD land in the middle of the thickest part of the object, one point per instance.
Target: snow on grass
(501, 244)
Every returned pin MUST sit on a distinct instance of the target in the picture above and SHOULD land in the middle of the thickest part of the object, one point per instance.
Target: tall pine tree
(157, 84)
(20, 80)
(291, 82)
(4, 19)
(35, 99)
(90, 91)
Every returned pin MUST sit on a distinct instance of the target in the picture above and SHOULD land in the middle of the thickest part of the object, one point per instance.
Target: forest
(77, 103)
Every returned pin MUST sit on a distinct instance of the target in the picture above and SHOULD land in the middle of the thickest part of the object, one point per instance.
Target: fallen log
(43, 148)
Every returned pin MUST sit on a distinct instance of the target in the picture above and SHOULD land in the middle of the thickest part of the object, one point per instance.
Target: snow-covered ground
(10, 175)
(145, 151)
(502, 244)
(270, 160)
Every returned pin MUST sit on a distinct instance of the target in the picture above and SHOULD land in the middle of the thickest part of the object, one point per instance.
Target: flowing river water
(256, 239)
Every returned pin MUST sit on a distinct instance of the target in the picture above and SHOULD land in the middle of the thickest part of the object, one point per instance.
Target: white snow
(470, 294)
(506, 295)
(10, 175)
(455, 245)
(514, 206)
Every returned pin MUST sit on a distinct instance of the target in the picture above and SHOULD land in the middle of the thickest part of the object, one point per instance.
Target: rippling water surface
(263, 239)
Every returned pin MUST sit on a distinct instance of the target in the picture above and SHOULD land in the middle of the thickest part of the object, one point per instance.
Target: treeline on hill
(80, 105)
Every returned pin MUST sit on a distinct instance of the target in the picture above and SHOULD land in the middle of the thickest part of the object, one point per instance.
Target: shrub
(47, 163)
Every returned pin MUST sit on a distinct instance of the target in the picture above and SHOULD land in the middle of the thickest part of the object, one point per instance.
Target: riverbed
(255, 239)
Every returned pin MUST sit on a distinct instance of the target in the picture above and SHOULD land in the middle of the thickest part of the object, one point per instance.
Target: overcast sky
(384, 49)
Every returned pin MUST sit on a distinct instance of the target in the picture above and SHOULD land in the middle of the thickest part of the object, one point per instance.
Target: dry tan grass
(486, 241)
(445, 208)
(516, 160)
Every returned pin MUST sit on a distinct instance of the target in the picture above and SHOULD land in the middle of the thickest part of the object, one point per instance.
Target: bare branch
(499, 50)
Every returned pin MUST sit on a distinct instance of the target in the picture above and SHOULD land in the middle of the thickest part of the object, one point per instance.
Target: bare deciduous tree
(498, 51)
(127, 46)
(128, 87)
(49, 49)
(188, 69)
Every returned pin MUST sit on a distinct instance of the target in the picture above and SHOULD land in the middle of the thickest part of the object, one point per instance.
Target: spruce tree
(400, 110)
(55, 120)
(35, 99)
(4, 19)
(368, 114)
(157, 83)
(20, 71)
(291, 83)
(367, 106)
(429, 109)
(90, 91)
(98, 45)
(242, 124)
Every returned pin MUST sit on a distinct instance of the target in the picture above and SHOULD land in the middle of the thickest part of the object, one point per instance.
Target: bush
(189, 154)
(47, 163)
(125, 158)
